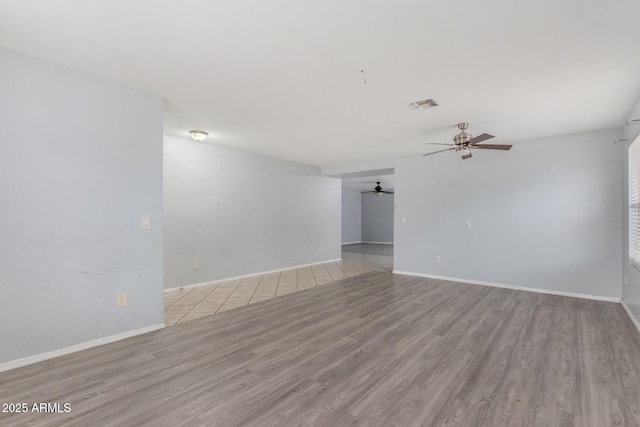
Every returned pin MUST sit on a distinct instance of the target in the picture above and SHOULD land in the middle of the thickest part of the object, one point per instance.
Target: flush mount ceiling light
(198, 135)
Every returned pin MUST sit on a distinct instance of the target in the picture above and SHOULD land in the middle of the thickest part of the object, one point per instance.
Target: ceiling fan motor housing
(462, 138)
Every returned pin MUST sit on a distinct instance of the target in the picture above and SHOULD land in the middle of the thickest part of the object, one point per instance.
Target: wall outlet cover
(122, 300)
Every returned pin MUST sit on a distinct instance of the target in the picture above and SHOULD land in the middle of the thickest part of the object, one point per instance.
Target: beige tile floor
(188, 304)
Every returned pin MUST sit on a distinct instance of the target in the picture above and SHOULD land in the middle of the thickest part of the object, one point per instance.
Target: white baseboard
(630, 313)
(351, 243)
(378, 243)
(213, 282)
(517, 288)
(77, 347)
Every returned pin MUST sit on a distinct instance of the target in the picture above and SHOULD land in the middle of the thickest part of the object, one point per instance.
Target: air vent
(423, 105)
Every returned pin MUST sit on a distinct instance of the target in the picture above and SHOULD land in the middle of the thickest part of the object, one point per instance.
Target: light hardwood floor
(374, 350)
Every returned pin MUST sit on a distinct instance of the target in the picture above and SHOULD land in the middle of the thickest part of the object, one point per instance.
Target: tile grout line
(194, 305)
(354, 266)
(189, 293)
(326, 270)
(329, 272)
(337, 264)
(373, 258)
(314, 277)
(277, 284)
(176, 322)
(229, 296)
(363, 260)
(190, 290)
(320, 273)
(201, 299)
(255, 290)
(342, 269)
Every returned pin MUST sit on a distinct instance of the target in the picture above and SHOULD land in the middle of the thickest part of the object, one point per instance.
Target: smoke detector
(423, 105)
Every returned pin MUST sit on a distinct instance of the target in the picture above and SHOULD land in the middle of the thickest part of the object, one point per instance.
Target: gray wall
(239, 213)
(630, 291)
(351, 216)
(377, 218)
(545, 215)
(80, 162)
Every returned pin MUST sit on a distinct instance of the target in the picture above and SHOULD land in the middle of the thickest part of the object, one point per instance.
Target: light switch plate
(145, 222)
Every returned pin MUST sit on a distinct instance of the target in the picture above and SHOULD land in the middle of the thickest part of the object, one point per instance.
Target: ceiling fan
(378, 190)
(464, 142)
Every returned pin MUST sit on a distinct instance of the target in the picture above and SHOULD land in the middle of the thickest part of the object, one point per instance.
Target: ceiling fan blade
(494, 146)
(365, 192)
(440, 151)
(480, 138)
(388, 192)
(437, 143)
(467, 156)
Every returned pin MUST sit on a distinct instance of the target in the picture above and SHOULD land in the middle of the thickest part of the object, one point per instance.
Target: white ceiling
(283, 77)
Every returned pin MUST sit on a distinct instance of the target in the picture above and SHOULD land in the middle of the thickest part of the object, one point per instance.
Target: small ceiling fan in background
(464, 142)
(378, 191)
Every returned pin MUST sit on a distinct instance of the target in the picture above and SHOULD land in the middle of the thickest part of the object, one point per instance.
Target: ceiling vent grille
(423, 105)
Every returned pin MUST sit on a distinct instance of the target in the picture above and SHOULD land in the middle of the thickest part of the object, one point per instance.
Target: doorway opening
(368, 209)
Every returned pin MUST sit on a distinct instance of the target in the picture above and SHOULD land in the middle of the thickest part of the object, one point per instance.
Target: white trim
(77, 347)
(518, 288)
(378, 243)
(213, 282)
(630, 313)
(351, 243)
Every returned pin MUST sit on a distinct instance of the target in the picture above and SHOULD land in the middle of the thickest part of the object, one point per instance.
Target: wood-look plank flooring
(374, 350)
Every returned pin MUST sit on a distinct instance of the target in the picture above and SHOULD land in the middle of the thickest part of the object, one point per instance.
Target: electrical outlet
(626, 281)
(196, 264)
(467, 224)
(437, 258)
(122, 300)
